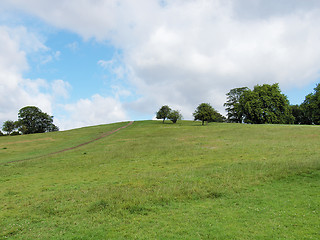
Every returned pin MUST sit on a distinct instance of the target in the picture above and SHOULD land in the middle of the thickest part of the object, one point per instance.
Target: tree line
(264, 104)
(30, 120)
(204, 112)
(309, 111)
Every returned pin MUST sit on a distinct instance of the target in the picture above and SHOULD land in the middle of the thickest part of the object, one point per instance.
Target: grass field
(163, 181)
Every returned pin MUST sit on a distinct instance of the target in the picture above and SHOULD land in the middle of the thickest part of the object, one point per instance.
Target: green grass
(13, 148)
(163, 181)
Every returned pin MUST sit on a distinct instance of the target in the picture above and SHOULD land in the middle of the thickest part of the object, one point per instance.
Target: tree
(297, 113)
(265, 104)
(52, 128)
(15, 133)
(233, 108)
(32, 120)
(174, 116)
(1, 134)
(300, 115)
(163, 112)
(204, 112)
(217, 117)
(8, 126)
(311, 106)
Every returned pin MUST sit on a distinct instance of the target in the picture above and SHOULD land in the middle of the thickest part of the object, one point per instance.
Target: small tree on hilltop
(174, 116)
(163, 112)
(33, 120)
(8, 126)
(204, 112)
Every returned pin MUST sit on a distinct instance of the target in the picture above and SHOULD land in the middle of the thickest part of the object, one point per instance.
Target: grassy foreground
(163, 181)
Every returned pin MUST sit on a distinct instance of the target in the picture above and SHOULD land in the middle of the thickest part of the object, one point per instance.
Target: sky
(90, 62)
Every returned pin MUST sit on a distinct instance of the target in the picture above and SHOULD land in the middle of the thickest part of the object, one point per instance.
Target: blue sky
(96, 62)
(74, 61)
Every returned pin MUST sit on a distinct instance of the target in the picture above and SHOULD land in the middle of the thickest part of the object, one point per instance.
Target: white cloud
(104, 63)
(93, 111)
(60, 88)
(12, 59)
(119, 91)
(74, 46)
(27, 41)
(57, 55)
(115, 67)
(16, 91)
(186, 52)
(203, 52)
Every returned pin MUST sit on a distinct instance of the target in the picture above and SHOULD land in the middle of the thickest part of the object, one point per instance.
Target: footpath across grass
(19, 148)
(164, 181)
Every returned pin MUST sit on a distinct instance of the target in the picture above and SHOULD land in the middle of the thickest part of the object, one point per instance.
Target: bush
(14, 133)
(174, 116)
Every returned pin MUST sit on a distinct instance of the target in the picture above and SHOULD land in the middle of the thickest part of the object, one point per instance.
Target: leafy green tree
(311, 106)
(300, 115)
(8, 126)
(217, 117)
(15, 133)
(233, 107)
(306, 113)
(32, 120)
(265, 104)
(204, 112)
(1, 134)
(52, 128)
(163, 112)
(174, 116)
(297, 113)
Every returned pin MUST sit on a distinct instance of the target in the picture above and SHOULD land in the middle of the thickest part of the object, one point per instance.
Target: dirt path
(71, 148)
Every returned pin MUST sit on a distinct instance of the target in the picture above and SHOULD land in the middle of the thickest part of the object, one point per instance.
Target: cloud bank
(185, 52)
(16, 92)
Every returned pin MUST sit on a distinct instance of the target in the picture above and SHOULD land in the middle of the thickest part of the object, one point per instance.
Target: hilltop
(162, 181)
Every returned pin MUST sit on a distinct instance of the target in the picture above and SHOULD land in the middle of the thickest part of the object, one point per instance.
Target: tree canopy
(233, 107)
(217, 117)
(264, 104)
(163, 112)
(32, 120)
(311, 107)
(174, 116)
(8, 126)
(205, 112)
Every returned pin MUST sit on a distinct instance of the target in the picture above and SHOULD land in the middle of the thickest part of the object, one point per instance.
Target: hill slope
(163, 181)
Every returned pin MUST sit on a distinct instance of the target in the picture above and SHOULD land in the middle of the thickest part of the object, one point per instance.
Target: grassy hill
(162, 181)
